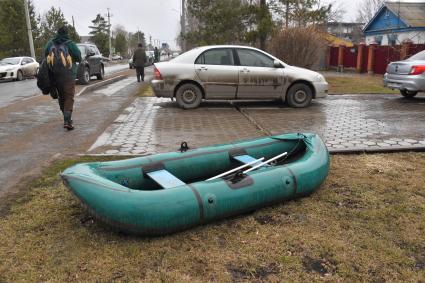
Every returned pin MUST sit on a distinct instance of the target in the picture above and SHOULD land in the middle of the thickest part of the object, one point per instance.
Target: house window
(392, 39)
(378, 39)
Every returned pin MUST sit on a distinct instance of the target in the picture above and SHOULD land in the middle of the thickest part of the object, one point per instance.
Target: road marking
(115, 87)
(95, 84)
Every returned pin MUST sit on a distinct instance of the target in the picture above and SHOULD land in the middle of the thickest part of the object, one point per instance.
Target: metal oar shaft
(265, 162)
(236, 169)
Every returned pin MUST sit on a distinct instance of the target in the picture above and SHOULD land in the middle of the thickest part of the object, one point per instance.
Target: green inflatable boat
(168, 192)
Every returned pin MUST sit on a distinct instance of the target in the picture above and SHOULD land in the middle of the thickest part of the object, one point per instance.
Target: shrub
(297, 46)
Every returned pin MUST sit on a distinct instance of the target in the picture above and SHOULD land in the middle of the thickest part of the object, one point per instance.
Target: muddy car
(231, 72)
(408, 76)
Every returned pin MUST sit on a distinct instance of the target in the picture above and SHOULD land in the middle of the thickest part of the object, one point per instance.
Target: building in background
(346, 30)
(397, 22)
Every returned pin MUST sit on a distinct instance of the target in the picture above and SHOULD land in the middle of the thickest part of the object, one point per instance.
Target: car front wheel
(299, 95)
(101, 75)
(19, 76)
(189, 96)
(408, 93)
(85, 77)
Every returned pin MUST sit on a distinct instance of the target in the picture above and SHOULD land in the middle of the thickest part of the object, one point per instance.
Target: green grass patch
(145, 91)
(366, 223)
(357, 84)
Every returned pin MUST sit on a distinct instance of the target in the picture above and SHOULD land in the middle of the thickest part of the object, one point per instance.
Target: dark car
(91, 64)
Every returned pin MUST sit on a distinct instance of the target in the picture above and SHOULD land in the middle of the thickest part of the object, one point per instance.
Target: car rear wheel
(101, 75)
(299, 95)
(188, 96)
(408, 93)
(19, 76)
(85, 77)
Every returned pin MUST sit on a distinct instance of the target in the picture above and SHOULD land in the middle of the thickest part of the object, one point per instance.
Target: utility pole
(73, 24)
(27, 17)
(109, 34)
(183, 25)
(263, 36)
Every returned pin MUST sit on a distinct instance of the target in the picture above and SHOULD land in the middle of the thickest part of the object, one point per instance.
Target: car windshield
(417, 56)
(82, 50)
(10, 61)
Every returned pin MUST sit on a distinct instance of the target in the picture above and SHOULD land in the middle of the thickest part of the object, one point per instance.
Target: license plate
(393, 85)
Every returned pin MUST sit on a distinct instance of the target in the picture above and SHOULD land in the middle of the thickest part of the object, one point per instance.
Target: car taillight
(417, 70)
(157, 74)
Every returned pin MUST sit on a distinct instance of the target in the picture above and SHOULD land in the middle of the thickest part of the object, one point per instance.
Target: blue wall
(386, 20)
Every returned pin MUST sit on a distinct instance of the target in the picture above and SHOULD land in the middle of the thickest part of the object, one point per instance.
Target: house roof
(403, 15)
(413, 14)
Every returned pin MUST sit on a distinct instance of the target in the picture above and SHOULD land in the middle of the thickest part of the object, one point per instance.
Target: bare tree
(367, 9)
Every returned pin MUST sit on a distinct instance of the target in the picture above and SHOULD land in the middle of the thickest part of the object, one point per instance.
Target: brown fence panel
(382, 53)
(415, 48)
(333, 61)
(350, 57)
(365, 59)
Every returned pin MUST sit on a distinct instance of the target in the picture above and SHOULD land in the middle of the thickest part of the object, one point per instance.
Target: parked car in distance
(91, 65)
(408, 75)
(18, 68)
(150, 59)
(229, 72)
(116, 57)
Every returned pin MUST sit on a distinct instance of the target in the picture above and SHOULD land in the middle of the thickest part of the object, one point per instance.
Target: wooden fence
(372, 59)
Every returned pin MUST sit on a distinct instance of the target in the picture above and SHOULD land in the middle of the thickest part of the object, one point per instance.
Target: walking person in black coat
(139, 60)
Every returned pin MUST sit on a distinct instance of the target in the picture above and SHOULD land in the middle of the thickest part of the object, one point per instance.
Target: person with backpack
(62, 54)
(139, 60)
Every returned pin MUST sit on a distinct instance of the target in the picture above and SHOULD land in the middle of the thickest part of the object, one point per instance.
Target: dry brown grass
(145, 90)
(357, 84)
(366, 223)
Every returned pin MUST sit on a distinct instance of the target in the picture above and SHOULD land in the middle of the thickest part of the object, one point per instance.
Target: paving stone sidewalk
(355, 122)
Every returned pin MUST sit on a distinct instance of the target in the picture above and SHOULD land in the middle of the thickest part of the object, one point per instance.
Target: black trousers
(140, 71)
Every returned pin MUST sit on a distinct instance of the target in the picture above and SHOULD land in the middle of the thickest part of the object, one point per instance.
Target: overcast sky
(156, 18)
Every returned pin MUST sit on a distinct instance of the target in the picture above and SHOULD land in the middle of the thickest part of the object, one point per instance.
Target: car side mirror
(23, 63)
(91, 54)
(277, 64)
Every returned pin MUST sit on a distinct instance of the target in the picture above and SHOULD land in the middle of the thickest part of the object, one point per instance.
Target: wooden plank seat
(165, 179)
(158, 173)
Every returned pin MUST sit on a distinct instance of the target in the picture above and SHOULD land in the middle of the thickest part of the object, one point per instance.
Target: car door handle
(245, 70)
(203, 69)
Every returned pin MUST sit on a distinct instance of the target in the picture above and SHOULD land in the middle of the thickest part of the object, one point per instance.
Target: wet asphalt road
(11, 91)
(32, 134)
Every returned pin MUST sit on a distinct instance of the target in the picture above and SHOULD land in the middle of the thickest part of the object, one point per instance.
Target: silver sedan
(229, 72)
(408, 76)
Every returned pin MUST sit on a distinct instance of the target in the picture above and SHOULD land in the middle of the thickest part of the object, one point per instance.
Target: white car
(18, 68)
(229, 72)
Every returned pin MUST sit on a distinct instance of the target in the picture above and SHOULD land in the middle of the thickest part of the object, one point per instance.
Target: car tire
(101, 75)
(131, 67)
(408, 93)
(85, 77)
(299, 96)
(188, 96)
(19, 75)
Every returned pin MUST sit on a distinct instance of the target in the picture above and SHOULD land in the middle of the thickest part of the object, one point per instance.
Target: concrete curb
(100, 84)
(371, 150)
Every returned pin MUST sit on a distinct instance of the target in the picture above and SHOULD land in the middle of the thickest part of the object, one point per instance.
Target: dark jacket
(73, 49)
(139, 57)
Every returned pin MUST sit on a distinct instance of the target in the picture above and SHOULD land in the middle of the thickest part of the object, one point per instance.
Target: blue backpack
(59, 60)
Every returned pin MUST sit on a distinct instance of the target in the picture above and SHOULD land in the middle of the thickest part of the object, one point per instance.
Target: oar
(237, 169)
(265, 162)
